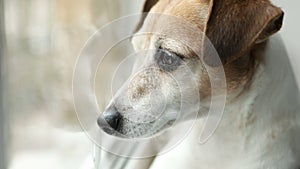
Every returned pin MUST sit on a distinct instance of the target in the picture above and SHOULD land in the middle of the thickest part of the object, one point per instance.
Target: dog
(260, 126)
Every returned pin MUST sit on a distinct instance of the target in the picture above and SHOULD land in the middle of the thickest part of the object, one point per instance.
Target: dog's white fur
(259, 130)
(265, 124)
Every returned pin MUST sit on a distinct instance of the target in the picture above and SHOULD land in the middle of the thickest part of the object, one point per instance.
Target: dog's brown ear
(147, 7)
(272, 27)
(236, 25)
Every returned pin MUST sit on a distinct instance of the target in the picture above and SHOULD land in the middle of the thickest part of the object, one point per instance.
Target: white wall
(2, 115)
(290, 31)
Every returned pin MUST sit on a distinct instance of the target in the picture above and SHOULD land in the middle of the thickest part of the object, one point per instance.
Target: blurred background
(42, 39)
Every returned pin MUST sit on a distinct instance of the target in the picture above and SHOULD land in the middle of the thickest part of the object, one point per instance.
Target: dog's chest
(244, 139)
(235, 148)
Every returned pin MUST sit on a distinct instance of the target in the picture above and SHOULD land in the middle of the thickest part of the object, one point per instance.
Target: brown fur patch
(238, 77)
(235, 26)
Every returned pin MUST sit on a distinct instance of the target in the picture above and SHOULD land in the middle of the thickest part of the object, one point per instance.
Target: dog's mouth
(126, 128)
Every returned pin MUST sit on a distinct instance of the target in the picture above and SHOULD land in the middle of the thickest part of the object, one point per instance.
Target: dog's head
(152, 99)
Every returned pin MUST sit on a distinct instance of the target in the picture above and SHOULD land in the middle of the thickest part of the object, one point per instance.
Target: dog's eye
(166, 60)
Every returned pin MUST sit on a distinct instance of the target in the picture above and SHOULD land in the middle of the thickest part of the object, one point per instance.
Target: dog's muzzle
(110, 120)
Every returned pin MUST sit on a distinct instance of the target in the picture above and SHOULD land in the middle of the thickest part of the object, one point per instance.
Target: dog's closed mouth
(135, 128)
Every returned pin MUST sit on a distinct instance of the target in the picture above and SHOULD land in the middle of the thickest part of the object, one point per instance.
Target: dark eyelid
(172, 52)
(166, 60)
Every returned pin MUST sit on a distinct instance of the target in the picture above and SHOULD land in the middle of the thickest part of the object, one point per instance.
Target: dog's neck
(270, 81)
(241, 72)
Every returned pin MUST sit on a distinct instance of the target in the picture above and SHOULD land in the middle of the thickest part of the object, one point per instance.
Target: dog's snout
(111, 117)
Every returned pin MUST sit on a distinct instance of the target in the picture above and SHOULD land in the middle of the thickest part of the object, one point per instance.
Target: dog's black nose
(111, 117)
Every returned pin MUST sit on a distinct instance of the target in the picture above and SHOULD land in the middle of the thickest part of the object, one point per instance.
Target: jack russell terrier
(260, 126)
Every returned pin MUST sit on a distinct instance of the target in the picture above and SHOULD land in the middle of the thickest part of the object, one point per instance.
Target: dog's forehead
(199, 12)
(180, 20)
(195, 12)
(237, 21)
